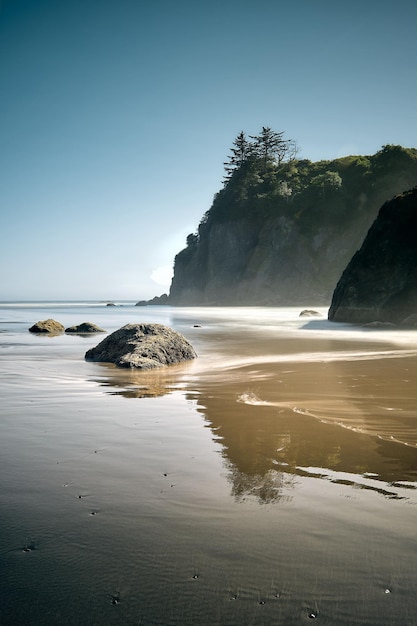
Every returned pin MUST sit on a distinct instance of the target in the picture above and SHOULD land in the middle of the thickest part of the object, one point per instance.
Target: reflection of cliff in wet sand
(285, 407)
(265, 443)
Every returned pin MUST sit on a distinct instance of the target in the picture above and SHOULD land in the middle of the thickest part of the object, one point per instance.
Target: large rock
(84, 328)
(142, 346)
(380, 282)
(47, 326)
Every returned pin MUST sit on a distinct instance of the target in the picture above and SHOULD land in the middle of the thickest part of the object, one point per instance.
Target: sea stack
(380, 282)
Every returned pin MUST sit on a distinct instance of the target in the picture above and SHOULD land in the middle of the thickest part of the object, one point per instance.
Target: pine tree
(241, 150)
(272, 147)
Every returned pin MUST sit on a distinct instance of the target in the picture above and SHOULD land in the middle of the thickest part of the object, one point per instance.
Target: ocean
(270, 481)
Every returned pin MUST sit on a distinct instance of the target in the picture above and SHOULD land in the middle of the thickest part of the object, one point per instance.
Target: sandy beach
(271, 481)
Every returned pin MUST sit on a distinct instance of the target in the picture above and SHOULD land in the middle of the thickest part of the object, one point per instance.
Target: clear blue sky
(116, 117)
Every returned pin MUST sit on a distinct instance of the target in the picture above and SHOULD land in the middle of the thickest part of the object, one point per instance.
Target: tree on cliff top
(269, 148)
(241, 150)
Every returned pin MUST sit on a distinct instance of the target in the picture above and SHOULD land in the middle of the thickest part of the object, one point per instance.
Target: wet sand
(272, 481)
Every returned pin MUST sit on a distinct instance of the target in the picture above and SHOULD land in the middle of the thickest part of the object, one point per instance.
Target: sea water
(270, 481)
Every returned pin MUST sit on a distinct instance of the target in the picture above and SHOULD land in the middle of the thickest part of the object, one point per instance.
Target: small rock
(47, 326)
(84, 328)
(309, 313)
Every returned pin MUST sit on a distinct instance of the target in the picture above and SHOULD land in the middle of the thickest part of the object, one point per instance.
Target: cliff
(282, 234)
(275, 264)
(380, 282)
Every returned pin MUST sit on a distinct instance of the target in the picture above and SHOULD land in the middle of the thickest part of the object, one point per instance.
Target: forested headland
(282, 229)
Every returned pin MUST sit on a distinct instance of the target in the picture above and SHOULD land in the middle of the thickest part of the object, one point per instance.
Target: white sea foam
(248, 397)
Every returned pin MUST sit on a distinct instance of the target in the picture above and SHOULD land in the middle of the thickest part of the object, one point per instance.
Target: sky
(116, 118)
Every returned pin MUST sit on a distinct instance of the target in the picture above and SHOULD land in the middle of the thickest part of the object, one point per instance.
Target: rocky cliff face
(237, 264)
(380, 282)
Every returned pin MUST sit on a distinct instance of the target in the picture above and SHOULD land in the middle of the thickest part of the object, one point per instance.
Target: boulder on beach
(142, 346)
(47, 326)
(84, 328)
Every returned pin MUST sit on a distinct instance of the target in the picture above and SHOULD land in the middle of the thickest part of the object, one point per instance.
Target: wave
(316, 357)
(349, 422)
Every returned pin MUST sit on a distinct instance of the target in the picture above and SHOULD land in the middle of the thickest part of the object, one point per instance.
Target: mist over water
(272, 480)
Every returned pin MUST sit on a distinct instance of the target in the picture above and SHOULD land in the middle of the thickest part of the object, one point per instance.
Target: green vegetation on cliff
(282, 229)
(261, 188)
